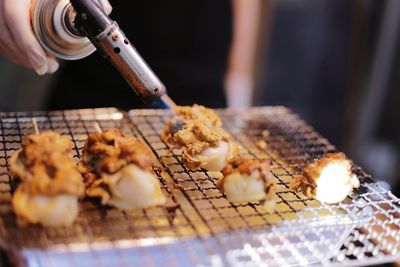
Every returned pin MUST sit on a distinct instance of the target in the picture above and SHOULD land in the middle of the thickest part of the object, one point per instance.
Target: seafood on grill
(247, 180)
(49, 181)
(328, 179)
(262, 143)
(198, 130)
(117, 169)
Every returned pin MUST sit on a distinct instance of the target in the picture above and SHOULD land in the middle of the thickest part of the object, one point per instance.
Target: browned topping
(306, 182)
(247, 166)
(45, 166)
(106, 154)
(195, 128)
(110, 151)
(197, 112)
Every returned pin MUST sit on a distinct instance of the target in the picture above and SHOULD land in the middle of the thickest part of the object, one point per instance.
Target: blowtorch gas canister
(51, 25)
(73, 29)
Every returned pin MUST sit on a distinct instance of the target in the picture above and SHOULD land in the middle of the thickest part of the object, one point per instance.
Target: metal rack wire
(200, 226)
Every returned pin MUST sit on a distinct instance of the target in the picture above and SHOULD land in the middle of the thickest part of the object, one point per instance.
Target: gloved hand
(17, 40)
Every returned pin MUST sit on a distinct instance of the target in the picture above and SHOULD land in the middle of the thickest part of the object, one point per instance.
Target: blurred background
(336, 63)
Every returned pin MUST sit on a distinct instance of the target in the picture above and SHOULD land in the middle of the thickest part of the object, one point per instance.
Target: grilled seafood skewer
(198, 130)
(247, 180)
(117, 169)
(50, 183)
(328, 179)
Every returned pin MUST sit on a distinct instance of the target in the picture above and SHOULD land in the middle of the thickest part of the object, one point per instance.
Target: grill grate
(202, 227)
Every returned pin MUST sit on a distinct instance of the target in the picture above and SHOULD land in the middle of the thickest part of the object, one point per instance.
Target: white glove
(17, 40)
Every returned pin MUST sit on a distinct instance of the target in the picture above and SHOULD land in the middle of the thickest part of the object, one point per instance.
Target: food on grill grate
(247, 180)
(328, 179)
(198, 131)
(50, 182)
(117, 169)
(261, 144)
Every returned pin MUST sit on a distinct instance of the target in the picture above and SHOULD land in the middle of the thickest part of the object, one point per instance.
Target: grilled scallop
(198, 131)
(146, 189)
(50, 183)
(246, 180)
(117, 169)
(51, 211)
(213, 158)
(329, 179)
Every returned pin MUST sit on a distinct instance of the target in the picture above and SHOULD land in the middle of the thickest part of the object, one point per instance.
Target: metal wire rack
(199, 226)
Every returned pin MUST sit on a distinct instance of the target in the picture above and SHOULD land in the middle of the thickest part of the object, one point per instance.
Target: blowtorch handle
(112, 43)
(115, 46)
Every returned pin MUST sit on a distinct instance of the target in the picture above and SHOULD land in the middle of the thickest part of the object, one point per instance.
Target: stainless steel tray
(201, 227)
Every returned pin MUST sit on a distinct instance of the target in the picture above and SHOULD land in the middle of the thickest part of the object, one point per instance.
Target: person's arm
(239, 84)
(17, 40)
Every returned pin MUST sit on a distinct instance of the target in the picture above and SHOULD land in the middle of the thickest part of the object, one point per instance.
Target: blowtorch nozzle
(90, 18)
(112, 43)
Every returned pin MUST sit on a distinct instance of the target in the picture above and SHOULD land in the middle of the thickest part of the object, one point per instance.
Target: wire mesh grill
(200, 226)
